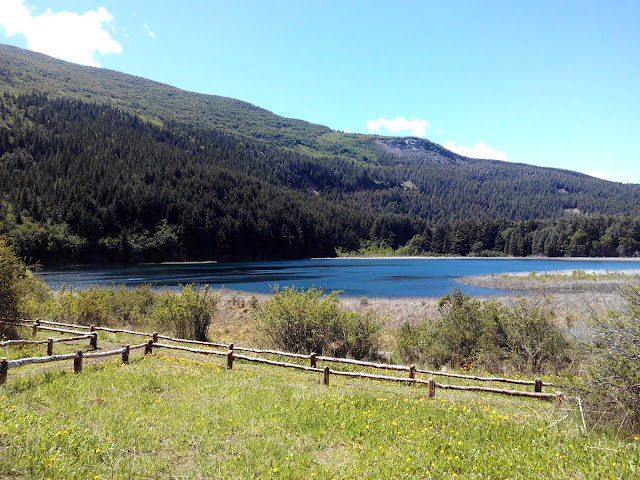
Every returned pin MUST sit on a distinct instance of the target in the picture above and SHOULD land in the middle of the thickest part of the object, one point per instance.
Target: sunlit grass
(574, 275)
(167, 416)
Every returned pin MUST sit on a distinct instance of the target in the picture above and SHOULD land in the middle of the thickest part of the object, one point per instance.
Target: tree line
(86, 182)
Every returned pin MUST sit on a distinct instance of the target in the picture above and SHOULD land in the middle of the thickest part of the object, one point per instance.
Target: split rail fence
(230, 352)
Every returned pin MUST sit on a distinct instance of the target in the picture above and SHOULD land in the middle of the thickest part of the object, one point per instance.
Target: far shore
(464, 257)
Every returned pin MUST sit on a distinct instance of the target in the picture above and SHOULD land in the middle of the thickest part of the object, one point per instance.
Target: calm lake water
(361, 277)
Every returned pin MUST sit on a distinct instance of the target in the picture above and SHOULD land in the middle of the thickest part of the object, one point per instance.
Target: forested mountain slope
(101, 166)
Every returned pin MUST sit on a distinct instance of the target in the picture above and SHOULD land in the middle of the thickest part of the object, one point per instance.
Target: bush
(459, 337)
(20, 289)
(613, 385)
(189, 313)
(306, 321)
(12, 274)
(533, 339)
(471, 332)
(99, 306)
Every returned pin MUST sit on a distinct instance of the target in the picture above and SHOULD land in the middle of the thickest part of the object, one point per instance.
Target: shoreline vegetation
(577, 295)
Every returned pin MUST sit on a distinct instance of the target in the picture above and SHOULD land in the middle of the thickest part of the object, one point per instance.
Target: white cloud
(438, 131)
(398, 124)
(149, 32)
(479, 150)
(65, 35)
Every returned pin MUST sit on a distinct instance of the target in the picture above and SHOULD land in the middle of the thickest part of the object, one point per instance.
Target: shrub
(308, 321)
(12, 274)
(93, 306)
(20, 289)
(613, 384)
(189, 313)
(533, 338)
(464, 331)
(470, 331)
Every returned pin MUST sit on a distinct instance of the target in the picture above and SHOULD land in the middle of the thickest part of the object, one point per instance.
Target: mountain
(98, 165)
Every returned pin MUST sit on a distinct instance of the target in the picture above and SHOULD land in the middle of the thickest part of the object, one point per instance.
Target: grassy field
(168, 416)
(574, 281)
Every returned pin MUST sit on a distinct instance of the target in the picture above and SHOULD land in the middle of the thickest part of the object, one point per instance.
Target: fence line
(193, 342)
(313, 358)
(60, 324)
(187, 349)
(12, 343)
(77, 358)
(54, 329)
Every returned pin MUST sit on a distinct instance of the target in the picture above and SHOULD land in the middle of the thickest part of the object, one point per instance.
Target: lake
(356, 277)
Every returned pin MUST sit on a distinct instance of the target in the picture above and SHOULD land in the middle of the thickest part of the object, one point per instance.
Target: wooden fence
(77, 358)
(230, 352)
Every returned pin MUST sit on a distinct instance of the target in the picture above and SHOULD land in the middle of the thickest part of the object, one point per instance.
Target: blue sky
(549, 83)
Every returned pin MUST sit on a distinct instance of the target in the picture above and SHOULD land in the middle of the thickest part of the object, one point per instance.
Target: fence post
(432, 388)
(230, 358)
(412, 372)
(231, 347)
(538, 386)
(312, 359)
(93, 341)
(36, 324)
(77, 362)
(4, 369)
(125, 354)
(327, 372)
(155, 337)
(49, 347)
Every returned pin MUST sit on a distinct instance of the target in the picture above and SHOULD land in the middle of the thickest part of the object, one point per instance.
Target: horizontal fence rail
(77, 358)
(313, 358)
(14, 343)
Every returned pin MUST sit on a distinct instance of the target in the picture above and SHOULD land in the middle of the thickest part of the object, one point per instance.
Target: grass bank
(165, 416)
(568, 281)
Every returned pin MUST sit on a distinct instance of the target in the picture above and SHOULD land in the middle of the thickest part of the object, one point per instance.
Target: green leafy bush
(19, 287)
(471, 331)
(12, 274)
(533, 339)
(306, 321)
(97, 306)
(187, 314)
(613, 385)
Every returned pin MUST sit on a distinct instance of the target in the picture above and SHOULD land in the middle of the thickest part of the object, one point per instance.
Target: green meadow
(188, 417)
